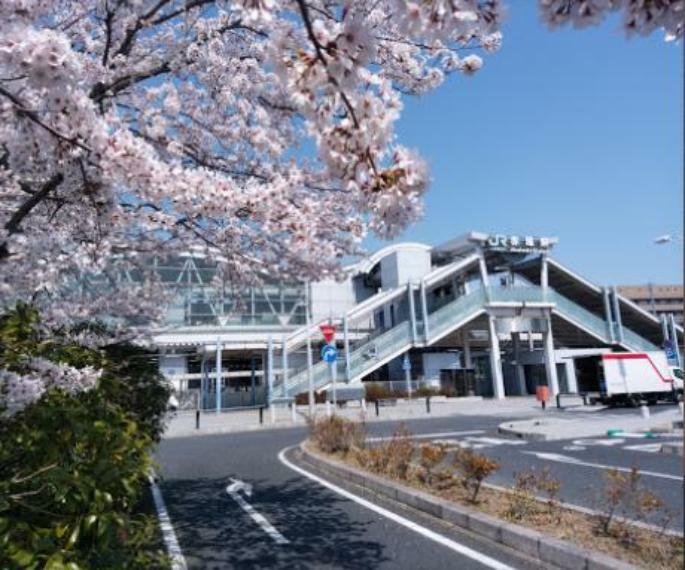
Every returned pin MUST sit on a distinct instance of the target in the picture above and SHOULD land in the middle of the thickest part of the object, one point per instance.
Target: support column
(412, 311)
(310, 378)
(346, 340)
(665, 333)
(424, 311)
(495, 361)
(544, 271)
(468, 363)
(485, 279)
(270, 375)
(674, 340)
(607, 314)
(550, 361)
(617, 314)
(520, 370)
(571, 378)
(284, 364)
(218, 376)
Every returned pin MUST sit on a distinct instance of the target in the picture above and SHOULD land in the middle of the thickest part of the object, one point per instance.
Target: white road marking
(599, 442)
(431, 435)
(574, 461)
(495, 441)
(646, 447)
(434, 536)
(178, 561)
(234, 490)
(574, 448)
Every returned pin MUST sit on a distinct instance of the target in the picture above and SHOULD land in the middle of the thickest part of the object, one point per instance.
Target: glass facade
(199, 297)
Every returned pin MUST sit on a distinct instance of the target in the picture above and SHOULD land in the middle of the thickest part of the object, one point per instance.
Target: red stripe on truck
(637, 356)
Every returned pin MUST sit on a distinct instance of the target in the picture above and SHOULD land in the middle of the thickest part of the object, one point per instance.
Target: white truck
(634, 377)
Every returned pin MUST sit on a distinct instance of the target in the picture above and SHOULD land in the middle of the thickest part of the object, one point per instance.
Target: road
(323, 529)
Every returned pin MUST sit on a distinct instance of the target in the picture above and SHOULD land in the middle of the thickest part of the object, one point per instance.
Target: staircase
(381, 346)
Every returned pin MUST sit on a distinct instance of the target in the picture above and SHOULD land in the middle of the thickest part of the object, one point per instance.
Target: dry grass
(428, 468)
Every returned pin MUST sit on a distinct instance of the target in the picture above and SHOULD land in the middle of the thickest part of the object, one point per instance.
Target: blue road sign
(329, 353)
(406, 364)
(669, 350)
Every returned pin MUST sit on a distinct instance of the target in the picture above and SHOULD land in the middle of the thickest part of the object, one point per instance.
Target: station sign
(501, 242)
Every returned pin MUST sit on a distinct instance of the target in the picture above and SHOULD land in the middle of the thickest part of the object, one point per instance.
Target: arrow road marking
(234, 490)
(422, 530)
(572, 460)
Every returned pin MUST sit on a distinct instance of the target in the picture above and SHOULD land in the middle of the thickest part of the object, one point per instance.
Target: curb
(528, 541)
(672, 448)
(515, 432)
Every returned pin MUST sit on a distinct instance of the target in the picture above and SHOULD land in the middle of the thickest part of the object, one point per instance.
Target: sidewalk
(556, 428)
(182, 424)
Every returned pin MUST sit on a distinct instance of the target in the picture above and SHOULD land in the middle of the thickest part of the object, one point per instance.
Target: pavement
(556, 427)
(325, 529)
(183, 424)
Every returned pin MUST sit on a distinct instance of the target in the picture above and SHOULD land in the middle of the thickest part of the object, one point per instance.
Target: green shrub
(73, 468)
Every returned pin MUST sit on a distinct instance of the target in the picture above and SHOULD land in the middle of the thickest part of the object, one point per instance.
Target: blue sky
(573, 133)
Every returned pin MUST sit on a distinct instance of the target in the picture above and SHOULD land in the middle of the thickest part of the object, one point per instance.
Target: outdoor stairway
(378, 349)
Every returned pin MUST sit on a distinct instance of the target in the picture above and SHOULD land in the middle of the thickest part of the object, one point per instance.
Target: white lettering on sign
(518, 243)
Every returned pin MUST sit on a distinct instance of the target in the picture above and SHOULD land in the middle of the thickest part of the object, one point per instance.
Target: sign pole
(406, 364)
(334, 366)
(310, 376)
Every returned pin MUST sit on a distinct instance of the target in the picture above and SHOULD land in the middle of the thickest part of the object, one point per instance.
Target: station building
(482, 314)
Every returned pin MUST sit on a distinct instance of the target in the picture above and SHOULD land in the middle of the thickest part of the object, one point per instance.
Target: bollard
(261, 414)
(364, 405)
(544, 404)
(558, 400)
(428, 404)
(272, 412)
(328, 408)
(293, 412)
(197, 419)
(377, 409)
(680, 405)
(644, 411)
(584, 395)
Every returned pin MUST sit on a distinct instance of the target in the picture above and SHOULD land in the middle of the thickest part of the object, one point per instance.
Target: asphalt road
(326, 530)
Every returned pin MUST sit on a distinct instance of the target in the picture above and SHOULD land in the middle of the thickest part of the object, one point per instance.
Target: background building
(483, 314)
(659, 300)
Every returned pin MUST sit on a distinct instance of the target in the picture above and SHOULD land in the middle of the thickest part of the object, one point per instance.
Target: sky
(576, 134)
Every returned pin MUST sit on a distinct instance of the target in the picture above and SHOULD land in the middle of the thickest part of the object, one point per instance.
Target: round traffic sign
(329, 353)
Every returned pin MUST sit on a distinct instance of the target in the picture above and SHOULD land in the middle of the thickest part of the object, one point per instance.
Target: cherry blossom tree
(259, 132)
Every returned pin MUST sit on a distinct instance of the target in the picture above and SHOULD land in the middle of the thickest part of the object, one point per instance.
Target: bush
(522, 500)
(73, 468)
(392, 457)
(376, 391)
(431, 456)
(336, 434)
(474, 468)
(623, 495)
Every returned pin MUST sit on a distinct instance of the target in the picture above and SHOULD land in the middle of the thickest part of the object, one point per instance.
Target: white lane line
(434, 536)
(574, 461)
(178, 561)
(234, 490)
(646, 447)
(496, 441)
(431, 435)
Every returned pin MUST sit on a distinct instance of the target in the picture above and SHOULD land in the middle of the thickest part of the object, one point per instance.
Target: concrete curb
(507, 428)
(672, 448)
(528, 541)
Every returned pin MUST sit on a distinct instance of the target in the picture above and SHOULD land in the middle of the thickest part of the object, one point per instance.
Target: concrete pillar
(218, 376)
(412, 311)
(571, 378)
(544, 271)
(424, 311)
(270, 370)
(520, 370)
(284, 363)
(674, 340)
(617, 315)
(495, 361)
(607, 316)
(346, 341)
(550, 361)
(484, 277)
(665, 333)
(468, 363)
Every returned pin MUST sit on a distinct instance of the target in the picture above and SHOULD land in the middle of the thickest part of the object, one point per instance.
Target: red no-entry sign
(328, 332)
